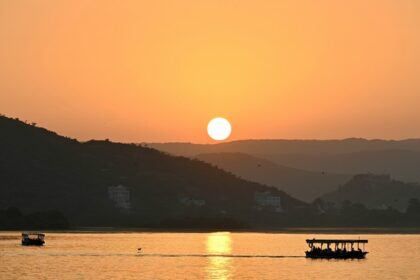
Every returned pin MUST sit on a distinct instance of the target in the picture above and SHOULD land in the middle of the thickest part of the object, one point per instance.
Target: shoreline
(293, 230)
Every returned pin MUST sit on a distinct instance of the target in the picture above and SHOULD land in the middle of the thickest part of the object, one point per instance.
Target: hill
(375, 192)
(100, 183)
(401, 164)
(50, 181)
(280, 146)
(299, 183)
(348, 156)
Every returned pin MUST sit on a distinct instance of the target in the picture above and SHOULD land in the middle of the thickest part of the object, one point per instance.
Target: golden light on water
(219, 266)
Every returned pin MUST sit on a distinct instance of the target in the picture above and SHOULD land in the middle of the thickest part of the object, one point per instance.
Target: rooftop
(312, 241)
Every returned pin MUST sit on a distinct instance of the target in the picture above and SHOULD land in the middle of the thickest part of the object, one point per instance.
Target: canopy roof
(312, 241)
(33, 233)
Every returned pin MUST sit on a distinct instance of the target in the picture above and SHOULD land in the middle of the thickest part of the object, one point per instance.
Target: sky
(158, 71)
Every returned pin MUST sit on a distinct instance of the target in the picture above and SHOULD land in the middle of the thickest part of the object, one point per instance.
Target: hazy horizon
(213, 142)
(280, 139)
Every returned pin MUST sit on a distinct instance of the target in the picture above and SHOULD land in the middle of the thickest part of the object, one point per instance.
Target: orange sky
(137, 71)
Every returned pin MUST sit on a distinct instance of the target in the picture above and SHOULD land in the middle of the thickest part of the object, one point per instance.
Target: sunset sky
(136, 71)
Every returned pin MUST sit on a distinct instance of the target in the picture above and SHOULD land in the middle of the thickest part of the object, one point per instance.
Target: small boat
(343, 249)
(33, 238)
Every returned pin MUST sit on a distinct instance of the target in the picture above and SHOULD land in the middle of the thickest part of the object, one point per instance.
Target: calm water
(220, 255)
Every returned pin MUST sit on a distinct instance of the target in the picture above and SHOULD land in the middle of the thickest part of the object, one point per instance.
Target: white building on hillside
(120, 195)
(188, 201)
(266, 199)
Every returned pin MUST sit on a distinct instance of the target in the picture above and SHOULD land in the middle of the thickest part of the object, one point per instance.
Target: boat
(33, 238)
(343, 248)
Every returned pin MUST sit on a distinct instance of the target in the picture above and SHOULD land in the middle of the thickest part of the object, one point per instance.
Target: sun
(219, 129)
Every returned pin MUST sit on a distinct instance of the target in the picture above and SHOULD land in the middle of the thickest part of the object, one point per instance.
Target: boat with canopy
(33, 238)
(336, 248)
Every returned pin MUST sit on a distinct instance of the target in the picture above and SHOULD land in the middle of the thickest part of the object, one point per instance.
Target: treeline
(347, 215)
(13, 219)
(358, 215)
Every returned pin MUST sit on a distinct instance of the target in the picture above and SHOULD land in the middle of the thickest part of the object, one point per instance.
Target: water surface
(218, 255)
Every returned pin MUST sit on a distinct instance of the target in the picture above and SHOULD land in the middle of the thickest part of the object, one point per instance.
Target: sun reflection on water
(217, 244)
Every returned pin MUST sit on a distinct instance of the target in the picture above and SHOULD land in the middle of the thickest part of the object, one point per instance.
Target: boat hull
(33, 242)
(336, 255)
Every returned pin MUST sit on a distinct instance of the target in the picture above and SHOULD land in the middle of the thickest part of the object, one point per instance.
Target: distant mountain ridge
(285, 146)
(400, 158)
(301, 184)
(402, 164)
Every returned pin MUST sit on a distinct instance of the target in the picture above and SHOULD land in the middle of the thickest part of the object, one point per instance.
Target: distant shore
(298, 230)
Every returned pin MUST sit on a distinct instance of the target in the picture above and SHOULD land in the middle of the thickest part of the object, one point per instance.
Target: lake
(217, 255)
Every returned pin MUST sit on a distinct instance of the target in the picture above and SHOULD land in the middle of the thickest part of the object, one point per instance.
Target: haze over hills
(401, 164)
(283, 146)
(301, 184)
(399, 158)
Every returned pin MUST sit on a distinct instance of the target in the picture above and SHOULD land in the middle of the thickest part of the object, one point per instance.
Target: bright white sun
(219, 129)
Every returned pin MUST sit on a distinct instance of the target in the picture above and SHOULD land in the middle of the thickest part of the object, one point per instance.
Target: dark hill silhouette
(42, 171)
(301, 184)
(375, 191)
